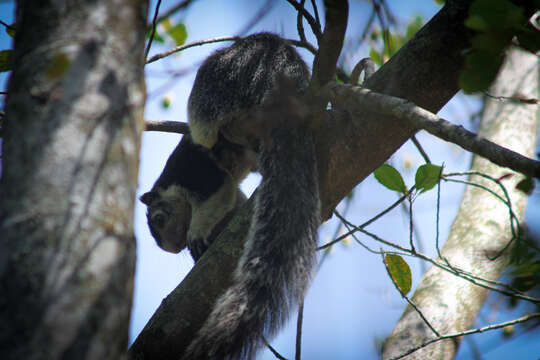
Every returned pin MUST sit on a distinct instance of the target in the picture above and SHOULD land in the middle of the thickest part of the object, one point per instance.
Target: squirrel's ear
(149, 197)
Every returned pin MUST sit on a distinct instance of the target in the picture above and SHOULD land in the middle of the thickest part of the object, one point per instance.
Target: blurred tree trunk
(69, 172)
(482, 226)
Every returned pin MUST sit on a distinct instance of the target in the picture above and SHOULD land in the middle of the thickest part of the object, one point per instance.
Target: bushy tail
(276, 266)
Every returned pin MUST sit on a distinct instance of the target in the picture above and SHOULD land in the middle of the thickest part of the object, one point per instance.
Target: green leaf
(388, 176)
(427, 176)
(157, 36)
(481, 67)
(413, 27)
(375, 56)
(476, 23)
(526, 185)
(493, 42)
(11, 30)
(165, 102)
(400, 272)
(5, 60)
(374, 35)
(494, 14)
(396, 41)
(166, 23)
(179, 33)
(59, 64)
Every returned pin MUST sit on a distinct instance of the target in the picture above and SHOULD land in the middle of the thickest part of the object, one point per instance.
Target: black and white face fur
(168, 214)
(191, 198)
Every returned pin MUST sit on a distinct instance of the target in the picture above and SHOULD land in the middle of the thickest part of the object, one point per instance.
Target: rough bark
(349, 148)
(69, 172)
(482, 226)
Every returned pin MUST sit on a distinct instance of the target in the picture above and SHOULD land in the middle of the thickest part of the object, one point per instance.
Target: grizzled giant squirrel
(277, 261)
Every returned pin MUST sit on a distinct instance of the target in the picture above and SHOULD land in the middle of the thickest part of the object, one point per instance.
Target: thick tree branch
(359, 100)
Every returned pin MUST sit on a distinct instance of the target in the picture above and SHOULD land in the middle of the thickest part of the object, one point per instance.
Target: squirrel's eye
(158, 219)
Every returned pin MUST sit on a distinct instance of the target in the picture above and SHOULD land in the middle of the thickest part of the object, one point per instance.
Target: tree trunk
(482, 226)
(70, 161)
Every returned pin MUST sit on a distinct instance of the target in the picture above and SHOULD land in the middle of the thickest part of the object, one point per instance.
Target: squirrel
(276, 265)
(192, 199)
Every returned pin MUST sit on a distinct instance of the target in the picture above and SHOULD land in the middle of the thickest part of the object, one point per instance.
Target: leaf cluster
(392, 41)
(167, 29)
(495, 22)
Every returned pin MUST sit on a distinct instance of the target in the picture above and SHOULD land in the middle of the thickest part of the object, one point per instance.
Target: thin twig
(385, 30)
(357, 228)
(348, 226)
(171, 11)
(9, 27)
(367, 26)
(299, 321)
(419, 242)
(420, 149)
(451, 269)
(274, 351)
(315, 27)
(306, 45)
(437, 219)
(166, 126)
(316, 12)
(469, 332)
(516, 99)
(411, 226)
(300, 23)
(154, 22)
(187, 46)
(336, 232)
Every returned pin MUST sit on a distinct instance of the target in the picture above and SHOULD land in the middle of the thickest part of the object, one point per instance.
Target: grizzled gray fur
(276, 265)
(259, 80)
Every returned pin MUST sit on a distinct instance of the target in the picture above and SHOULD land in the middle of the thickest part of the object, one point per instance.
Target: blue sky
(351, 304)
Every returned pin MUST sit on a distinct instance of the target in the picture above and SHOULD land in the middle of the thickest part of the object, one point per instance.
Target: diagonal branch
(192, 44)
(154, 23)
(359, 100)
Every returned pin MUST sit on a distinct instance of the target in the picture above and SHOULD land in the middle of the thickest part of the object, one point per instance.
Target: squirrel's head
(168, 214)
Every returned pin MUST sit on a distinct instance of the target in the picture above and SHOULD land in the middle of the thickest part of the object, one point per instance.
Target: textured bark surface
(482, 226)
(69, 172)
